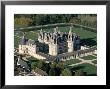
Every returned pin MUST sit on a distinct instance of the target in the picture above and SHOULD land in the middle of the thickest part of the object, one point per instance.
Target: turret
(22, 45)
(41, 36)
(70, 41)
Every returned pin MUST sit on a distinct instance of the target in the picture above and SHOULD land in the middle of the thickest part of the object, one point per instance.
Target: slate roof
(23, 41)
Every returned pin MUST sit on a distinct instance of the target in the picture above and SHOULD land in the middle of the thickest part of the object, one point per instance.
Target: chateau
(50, 44)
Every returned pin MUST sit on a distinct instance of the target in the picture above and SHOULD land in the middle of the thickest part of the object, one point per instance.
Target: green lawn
(71, 61)
(84, 34)
(89, 57)
(16, 41)
(32, 59)
(31, 35)
(18, 34)
(88, 68)
(95, 61)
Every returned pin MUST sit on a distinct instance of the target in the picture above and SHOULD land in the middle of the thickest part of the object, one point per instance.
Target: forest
(25, 20)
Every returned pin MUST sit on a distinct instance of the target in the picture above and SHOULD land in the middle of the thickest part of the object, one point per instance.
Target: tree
(53, 65)
(45, 67)
(60, 65)
(66, 72)
(52, 72)
(33, 65)
(79, 73)
(40, 64)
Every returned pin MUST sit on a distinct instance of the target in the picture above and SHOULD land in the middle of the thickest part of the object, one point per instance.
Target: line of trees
(56, 69)
(52, 68)
(23, 20)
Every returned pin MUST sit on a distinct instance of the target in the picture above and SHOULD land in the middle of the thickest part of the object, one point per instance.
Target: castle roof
(23, 41)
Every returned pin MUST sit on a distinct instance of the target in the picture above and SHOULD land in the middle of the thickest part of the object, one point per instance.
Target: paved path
(76, 64)
(84, 61)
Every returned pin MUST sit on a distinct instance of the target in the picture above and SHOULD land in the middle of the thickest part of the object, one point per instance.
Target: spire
(70, 31)
(23, 40)
(70, 34)
(23, 34)
(41, 30)
(45, 36)
(41, 34)
(56, 30)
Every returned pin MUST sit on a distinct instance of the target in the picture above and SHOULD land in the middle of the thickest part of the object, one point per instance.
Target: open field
(88, 68)
(71, 61)
(16, 41)
(89, 57)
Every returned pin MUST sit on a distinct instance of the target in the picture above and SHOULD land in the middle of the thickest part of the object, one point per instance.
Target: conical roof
(23, 40)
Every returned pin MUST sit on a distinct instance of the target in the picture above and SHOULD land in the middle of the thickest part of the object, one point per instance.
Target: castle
(50, 43)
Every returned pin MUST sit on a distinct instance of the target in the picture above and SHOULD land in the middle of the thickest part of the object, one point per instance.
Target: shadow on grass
(88, 42)
(77, 68)
(33, 60)
(91, 74)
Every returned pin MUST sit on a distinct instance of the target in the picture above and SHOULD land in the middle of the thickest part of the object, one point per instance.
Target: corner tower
(22, 45)
(53, 46)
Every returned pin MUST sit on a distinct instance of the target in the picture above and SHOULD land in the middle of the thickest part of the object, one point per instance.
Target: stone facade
(52, 43)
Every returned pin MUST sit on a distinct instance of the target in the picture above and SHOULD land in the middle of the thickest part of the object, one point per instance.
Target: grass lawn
(71, 61)
(32, 59)
(88, 68)
(18, 34)
(89, 57)
(31, 35)
(82, 33)
(16, 41)
(95, 61)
